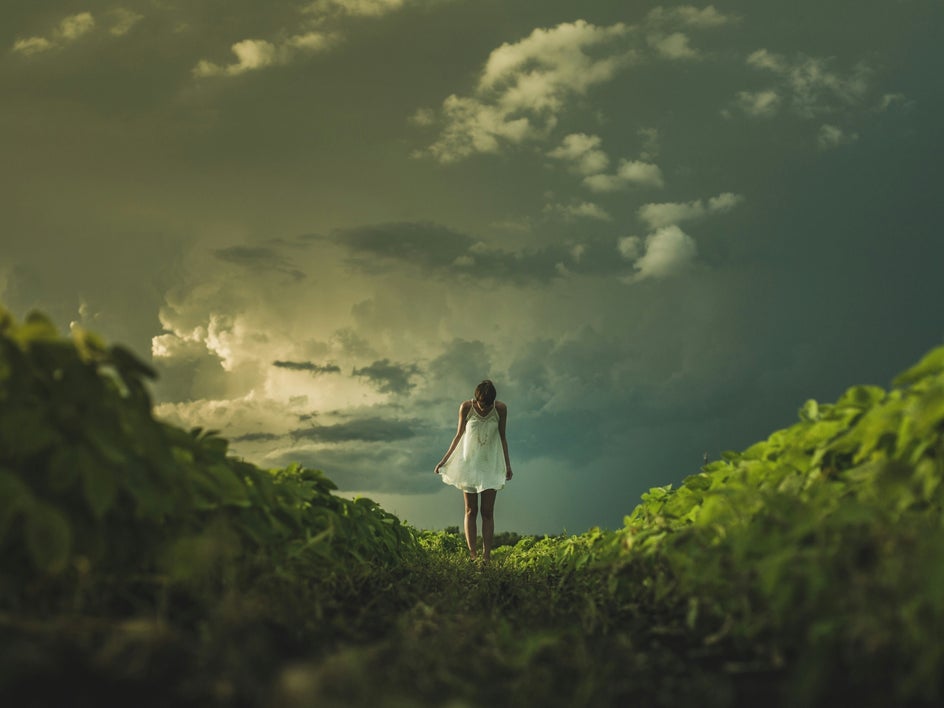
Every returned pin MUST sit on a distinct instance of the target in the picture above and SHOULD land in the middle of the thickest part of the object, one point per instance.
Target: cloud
(308, 366)
(364, 8)
(582, 152)
(372, 429)
(810, 84)
(439, 252)
(832, 136)
(68, 30)
(259, 258)
(658, 215)
(690, 16)
(255, 54)
(122, 21)
(676, 45)
(387, 377)
(630, 173)
(672, 46)
(582, 210)
(758, 103)
(524, 87)
(668, 251)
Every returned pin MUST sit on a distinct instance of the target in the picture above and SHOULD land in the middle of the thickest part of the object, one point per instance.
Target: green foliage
(89, 479)
(804, 570)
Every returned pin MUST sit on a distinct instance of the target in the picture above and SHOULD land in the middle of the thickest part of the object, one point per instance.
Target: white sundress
(478, 462)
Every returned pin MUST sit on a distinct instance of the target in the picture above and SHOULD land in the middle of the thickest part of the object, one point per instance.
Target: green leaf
(62, 472)
(810, 411)
(232, 491)
(932, 364)
(15, 498)
(48, 538)
(98, 482)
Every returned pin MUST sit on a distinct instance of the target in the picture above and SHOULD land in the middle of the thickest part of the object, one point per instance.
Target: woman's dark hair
(485, 393)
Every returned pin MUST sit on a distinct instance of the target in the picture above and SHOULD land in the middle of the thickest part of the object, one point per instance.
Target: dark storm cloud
(311, 367)
(257, 437)
(388, 377)
(258, 258)
(424, 244)
(373, 429)
(443, 252)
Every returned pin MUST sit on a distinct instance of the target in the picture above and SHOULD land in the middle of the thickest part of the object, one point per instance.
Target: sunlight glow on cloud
(525, 85)
(122, 21)
(253, 54)
(630, 173)
(809, 83)
(68, 30)
(668, 251)
(583, 153)
(832, 136)
(657, 215)
(582, 210)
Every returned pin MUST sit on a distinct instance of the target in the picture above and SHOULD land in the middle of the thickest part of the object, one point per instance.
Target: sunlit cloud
(68, 30)
(255, 54)
(688, 15)
(666, 252)
(832, 136)
(759, 103)
(810, 84)
(630, 173)
(582, 153)
(524, 86)
(579, 210)
(122, 21)
(676, 45)
(657, 215)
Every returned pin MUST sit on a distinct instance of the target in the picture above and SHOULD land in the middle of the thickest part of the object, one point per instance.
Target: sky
(658, 227)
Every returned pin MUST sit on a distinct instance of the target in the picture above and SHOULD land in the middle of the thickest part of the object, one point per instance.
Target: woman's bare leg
(488, 521)
(471, 512)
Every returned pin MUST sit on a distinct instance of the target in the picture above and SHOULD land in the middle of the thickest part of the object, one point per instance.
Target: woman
(480, 465)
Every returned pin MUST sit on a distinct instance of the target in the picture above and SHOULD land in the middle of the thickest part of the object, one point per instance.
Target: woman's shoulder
(501, 407)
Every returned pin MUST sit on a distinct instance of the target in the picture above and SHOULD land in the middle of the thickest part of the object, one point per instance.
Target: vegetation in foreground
(140, 563)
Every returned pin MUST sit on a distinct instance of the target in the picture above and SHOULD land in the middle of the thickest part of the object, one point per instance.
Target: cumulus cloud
(667, 252)
(581, 210)
(676, 45)
(582, 152)
(68, 30)
(758, 103)
(525, 85)
(658, 215)
(255, 54)
(672, 46)
(832, 136)
(810, 84)
(122, 20)
(630, 173)
(690, 16)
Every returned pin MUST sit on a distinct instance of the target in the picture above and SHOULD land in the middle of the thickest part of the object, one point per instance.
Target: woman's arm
(463, 414)
(502, 420)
